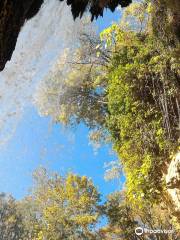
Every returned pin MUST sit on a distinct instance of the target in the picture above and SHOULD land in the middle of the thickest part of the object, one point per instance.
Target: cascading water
(39, 46)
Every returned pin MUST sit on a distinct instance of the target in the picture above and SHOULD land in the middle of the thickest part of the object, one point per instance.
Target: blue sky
(38, 142)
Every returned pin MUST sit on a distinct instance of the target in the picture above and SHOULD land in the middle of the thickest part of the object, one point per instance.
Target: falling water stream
(39, 46)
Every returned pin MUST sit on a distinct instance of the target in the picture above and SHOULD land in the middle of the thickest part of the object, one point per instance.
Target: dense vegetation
(143, 107)
(124, 85)
(125, 88)
(69, 207)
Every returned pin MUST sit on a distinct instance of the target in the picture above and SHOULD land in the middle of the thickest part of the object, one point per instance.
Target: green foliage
(125, 87)
(143, 103)
(165, 21)
(66, 207)
(123, 219)
(11, 221)
(75, 91)
(120, 216)
(58, 208)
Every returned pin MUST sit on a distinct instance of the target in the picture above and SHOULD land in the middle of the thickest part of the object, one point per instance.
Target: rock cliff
(173, 183)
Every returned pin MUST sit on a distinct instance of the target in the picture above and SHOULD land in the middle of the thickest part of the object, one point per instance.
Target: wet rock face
(173, 181)
(13, 14)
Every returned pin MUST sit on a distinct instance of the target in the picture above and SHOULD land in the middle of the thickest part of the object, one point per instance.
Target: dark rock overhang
(13, 14)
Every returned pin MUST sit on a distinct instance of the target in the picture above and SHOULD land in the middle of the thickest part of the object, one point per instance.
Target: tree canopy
(125, 86)
(65, 207)
(69, 207)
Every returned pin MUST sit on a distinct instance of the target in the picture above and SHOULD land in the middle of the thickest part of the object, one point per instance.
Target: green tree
(123, 220)
(29, 211)
(65, 207)
(11, 221)
(74, 92)
(120, 217)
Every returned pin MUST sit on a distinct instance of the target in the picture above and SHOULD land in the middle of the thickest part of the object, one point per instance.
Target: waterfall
(39, 46)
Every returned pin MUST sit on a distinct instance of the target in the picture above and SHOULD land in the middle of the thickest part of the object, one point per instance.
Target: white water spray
(38, 48)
